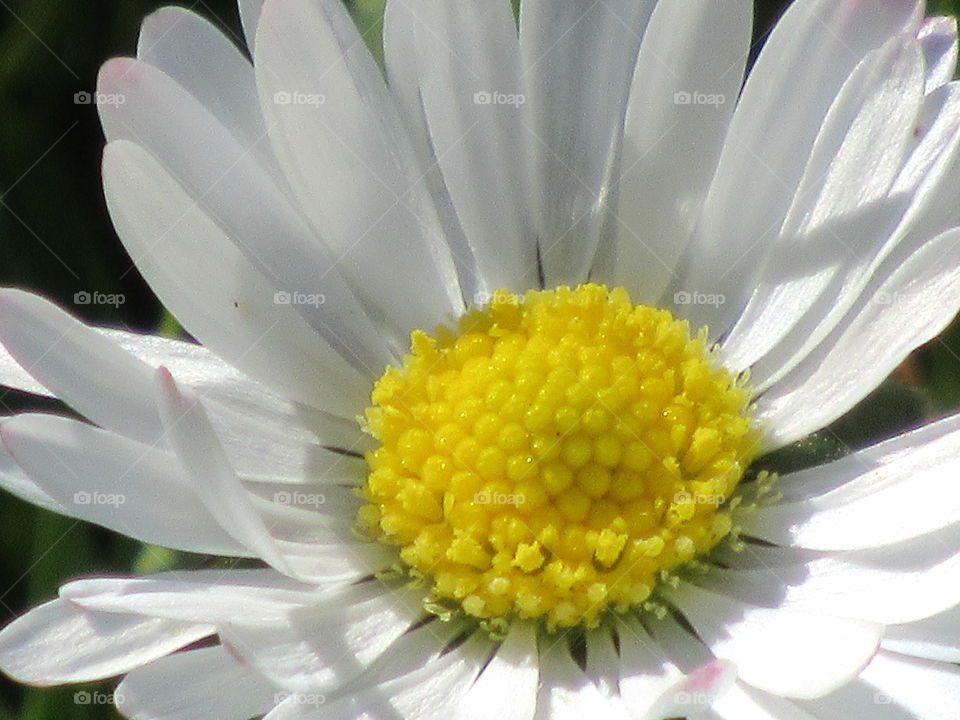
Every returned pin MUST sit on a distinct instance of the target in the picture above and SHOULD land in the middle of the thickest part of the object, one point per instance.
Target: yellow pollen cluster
(554, 454)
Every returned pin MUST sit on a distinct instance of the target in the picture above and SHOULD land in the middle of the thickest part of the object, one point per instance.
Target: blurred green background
(56, 239)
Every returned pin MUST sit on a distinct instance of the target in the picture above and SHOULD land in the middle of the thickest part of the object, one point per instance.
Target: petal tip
(115, 74)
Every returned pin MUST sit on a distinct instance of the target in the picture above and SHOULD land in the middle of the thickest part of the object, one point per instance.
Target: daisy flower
(493, 350)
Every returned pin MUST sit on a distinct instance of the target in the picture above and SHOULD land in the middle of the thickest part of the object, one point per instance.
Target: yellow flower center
(556, 453)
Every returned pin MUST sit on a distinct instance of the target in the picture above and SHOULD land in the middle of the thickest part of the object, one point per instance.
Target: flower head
(492, 356)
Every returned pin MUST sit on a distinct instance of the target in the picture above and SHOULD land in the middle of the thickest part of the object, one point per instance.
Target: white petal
(893, 584)
(566, 692)
(653, 687)
(745, 703)
(933, 638)
(810, 53)
(208, 597)
(507, 687)
(436, 691)
(432, 692)
(867, 131)
(403, 75)
(58, 643)
(784, 652)
(837, 477)
(400, 18)
(297, 510)
(194, 685)
(209, 66)
(938, 35)
(698, 692)
(856, 699)
(795, 303)
(312, 534)
(16, 482)
(894, 687)
(321, 647)
(250, 17)
(890, 492)
(935, 209)
(14, 376)
(866, 134)
(308, 706)
(575, 126)
(756, 555)
(267, 437)
(193, 439)
(681, 101)
(645, 672)
(326, 553)
(603, 662)
(79, 365)
(901, 309)
(122, 485)
(208, 284)
(680, 646)
(242, 199)
(473, 97)
(412, 651)
(933, 146)
(342, 144)
(885, 231)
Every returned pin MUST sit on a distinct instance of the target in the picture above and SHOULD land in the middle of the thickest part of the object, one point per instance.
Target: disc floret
(554, 454)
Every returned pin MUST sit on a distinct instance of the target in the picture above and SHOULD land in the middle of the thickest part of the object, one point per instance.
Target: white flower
(301, 217)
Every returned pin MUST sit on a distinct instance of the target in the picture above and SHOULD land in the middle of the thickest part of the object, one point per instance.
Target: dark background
(56, 239)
